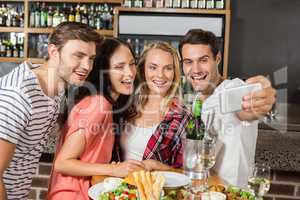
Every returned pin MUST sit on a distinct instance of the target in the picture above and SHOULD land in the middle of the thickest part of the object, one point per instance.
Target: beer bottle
(219, 4)
(37, 16)
(77, 15)
(71, 15)
(201, 4)
(210, 4)
(21, 51)
(32, 16)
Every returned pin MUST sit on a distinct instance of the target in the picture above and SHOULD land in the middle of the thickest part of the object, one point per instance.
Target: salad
(123, 192)
(236, 193)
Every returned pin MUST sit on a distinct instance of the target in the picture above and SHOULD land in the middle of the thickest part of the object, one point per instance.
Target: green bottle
(195, 128)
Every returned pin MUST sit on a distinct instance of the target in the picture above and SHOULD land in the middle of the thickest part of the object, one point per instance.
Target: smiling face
(122, 71)
(159, 71)
(200, 66)
(75, 61)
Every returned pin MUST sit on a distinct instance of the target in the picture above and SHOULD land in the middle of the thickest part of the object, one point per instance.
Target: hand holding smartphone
(231, 99)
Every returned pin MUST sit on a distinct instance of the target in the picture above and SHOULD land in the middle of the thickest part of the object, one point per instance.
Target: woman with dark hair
(87, 139)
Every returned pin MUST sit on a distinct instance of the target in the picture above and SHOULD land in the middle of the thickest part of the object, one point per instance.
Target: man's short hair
(73, 31)
(199, 36)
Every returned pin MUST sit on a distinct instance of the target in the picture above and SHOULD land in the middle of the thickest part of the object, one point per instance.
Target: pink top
(94, 114)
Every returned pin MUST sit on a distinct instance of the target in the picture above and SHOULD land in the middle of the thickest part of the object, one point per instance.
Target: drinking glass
(198, 158)
(259, 180)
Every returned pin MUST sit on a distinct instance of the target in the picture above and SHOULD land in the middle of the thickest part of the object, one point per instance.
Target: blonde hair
(143, 90)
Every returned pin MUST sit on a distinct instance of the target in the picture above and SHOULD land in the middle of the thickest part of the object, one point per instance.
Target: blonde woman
(154, 134)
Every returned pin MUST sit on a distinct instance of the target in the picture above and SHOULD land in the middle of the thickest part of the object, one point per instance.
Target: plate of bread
(143, 185)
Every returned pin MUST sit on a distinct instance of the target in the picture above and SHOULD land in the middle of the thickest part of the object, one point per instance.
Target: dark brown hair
(66, 31)
(199, 36)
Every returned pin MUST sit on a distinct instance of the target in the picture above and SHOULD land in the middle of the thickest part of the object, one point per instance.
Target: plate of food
(233, 192)
(140, 185)
(174, 179)
(112, 188)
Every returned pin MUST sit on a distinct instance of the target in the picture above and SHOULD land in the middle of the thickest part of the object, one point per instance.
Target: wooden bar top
(214, 179)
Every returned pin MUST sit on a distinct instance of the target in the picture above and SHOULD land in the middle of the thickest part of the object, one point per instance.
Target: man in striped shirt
(29, 103)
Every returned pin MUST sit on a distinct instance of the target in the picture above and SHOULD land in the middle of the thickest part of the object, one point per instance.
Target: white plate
(107, 185)
(174, 179)
(213, 196)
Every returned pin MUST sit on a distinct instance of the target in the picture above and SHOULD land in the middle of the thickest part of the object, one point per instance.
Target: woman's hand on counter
(122, 169)
(151, 165)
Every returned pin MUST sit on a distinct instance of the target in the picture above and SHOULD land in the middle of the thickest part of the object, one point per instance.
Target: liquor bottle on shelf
(20, 38)
(1, 15)
(37, 16)
(4, 15)
(168, 3)
(71, 15)
(32, 16)
(15, 52)
(194, 4)
(56, 18)
(210, 4)
(84, 15)
(50, 17)
(185, 4)
(148, 3)
(176, 3)
(21, 51)
(8, 18)
(202, 4)
(13, 17)
(91, 16)
(127, 3)
(110, 18)
(219, 4)
(159, 3)
(64, 13)
(8, 49)
(78, 15)
(20, 16)
(44, 15)
(2, 47)
(98, 22)
(137, 3)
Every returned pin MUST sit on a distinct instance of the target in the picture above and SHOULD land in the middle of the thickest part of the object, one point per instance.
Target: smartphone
(231, 99)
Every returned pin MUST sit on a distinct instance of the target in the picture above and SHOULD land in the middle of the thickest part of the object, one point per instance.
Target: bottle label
(201, 4)
(220, 4)
(210, 4)
(194, 4)
(185, 3)
(168, 3)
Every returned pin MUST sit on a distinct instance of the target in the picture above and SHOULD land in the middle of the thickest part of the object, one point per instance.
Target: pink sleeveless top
(94, 115)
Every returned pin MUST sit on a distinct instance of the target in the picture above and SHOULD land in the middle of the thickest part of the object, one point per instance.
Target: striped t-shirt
(27, 116)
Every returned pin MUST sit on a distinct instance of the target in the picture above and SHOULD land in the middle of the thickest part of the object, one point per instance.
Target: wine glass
(198, 159)
(259, 180)
(208, 158)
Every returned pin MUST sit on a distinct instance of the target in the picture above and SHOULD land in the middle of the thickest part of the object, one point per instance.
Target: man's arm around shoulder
(6, 151)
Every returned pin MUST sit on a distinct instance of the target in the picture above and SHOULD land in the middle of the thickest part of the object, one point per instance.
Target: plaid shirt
(165, 144)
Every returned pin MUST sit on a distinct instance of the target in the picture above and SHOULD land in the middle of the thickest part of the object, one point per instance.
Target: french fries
(149, 184)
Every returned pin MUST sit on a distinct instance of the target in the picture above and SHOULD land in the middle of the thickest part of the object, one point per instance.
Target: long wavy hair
(98, 81)
(143, 90)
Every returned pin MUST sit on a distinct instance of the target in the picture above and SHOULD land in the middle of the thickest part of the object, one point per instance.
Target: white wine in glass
(259, 181)
(259, 186)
